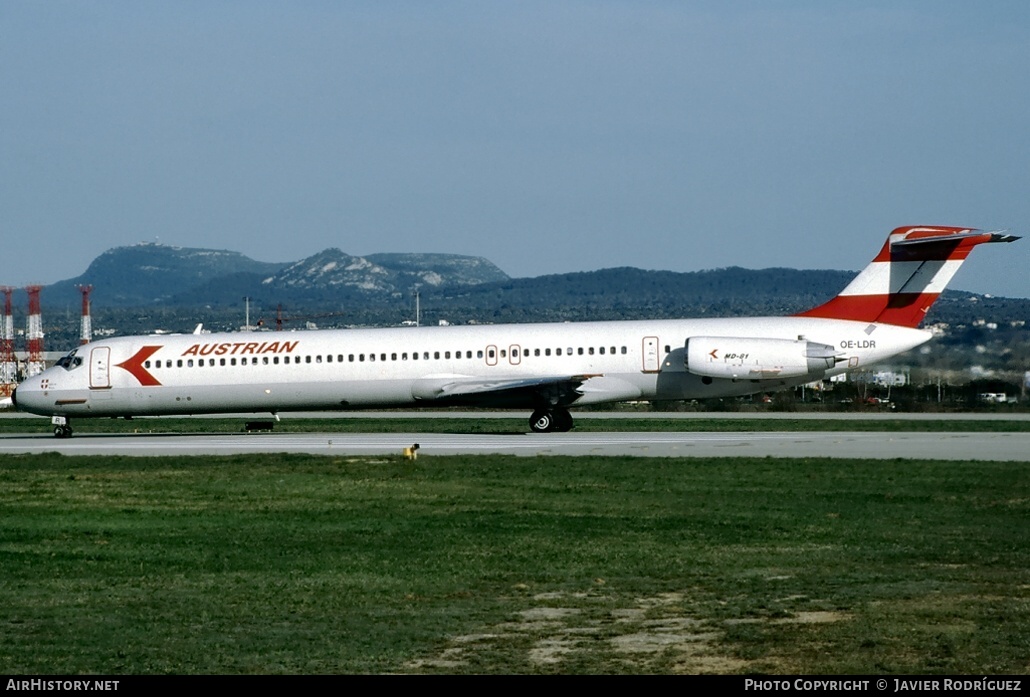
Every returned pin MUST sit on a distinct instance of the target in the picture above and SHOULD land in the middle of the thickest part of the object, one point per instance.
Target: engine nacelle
(743, 358)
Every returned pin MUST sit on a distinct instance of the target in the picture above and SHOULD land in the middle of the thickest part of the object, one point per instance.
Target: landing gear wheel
(562, 420)
(550, 420)
(63, 431)
(542, 421)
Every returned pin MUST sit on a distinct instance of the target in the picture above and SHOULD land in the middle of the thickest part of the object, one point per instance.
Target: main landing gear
(549, 420)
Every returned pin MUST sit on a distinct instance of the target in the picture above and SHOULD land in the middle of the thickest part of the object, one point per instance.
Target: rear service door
(650, 349)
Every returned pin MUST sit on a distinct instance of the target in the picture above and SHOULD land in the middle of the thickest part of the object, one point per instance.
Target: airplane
(546, 368)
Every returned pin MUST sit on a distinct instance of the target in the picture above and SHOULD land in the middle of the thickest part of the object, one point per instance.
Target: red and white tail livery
(546, 368)
(905, 278)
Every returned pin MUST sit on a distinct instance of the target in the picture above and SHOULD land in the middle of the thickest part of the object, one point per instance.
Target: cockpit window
(71, 361)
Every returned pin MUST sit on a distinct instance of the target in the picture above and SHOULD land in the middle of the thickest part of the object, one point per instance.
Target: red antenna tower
(34, 335)
(8, 363)
(86, 335)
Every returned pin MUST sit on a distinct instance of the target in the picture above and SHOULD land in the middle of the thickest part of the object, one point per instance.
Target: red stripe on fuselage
(135, 366)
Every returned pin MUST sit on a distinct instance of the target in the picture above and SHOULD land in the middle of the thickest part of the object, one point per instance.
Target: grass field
(298, 564)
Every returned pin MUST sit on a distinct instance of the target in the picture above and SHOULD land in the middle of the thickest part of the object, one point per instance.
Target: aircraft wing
(555, 390)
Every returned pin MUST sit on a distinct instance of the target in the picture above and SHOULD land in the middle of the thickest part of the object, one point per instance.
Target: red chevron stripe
(135, 366)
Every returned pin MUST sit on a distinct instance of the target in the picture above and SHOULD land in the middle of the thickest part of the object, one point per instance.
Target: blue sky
(548, 137)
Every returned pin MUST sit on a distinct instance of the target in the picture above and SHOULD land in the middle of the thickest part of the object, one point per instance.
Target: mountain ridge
(213, 285)
(150, 273)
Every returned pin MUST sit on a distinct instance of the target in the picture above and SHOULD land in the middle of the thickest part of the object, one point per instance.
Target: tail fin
(908, 274)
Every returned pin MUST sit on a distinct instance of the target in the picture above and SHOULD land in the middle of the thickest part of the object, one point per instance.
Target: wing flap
(554, 390)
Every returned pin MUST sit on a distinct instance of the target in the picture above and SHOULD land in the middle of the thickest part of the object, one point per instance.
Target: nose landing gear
(62, 429)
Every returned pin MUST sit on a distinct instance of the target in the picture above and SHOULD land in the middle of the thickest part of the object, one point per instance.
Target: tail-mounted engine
(740, 358)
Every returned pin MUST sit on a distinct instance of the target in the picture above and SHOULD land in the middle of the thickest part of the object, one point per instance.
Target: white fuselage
(483, 365)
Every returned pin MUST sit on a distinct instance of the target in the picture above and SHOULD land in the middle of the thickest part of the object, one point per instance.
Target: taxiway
(842, 444)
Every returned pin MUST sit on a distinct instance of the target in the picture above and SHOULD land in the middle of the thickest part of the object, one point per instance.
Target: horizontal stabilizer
(993, 236)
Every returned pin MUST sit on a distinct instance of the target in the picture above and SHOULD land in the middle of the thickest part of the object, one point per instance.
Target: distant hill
(151, 274)
(623, 293)
(159, 276)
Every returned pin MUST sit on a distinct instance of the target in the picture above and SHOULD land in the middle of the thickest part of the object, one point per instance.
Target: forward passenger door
(100, 368)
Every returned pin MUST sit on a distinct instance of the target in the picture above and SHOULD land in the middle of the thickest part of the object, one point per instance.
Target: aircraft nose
(28, 396)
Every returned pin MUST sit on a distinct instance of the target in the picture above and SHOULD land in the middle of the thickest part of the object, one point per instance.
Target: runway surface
(878, 445)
